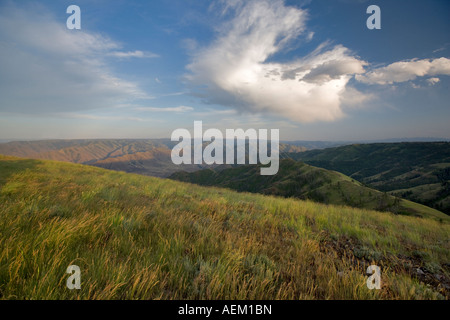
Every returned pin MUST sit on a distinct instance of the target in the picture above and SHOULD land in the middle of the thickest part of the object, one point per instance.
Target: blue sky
(141, 69)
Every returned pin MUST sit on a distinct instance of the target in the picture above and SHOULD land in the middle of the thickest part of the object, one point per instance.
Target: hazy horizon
(389, 140)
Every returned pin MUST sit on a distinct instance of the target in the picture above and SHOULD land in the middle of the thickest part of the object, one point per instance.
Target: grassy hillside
(138, 237)
(297, 179)
(417, 171)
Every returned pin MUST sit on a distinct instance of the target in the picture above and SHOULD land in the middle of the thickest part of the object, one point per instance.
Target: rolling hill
(139, 237)
(299, 180)
(418, 171)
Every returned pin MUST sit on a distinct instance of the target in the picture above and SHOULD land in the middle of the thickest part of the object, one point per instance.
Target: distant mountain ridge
(313, 145)
(143, 156)
(148, 157)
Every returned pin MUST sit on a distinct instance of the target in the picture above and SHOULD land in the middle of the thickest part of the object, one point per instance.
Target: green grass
(138, 237)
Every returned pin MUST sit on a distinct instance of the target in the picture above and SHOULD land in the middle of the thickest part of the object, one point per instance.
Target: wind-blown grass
(137, 237)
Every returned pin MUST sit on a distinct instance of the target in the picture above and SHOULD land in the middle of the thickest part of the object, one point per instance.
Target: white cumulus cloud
(235, 69)
(403, 71)
(433, 81)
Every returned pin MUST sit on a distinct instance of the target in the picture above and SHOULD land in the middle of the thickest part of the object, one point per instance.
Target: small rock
(420, 272)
